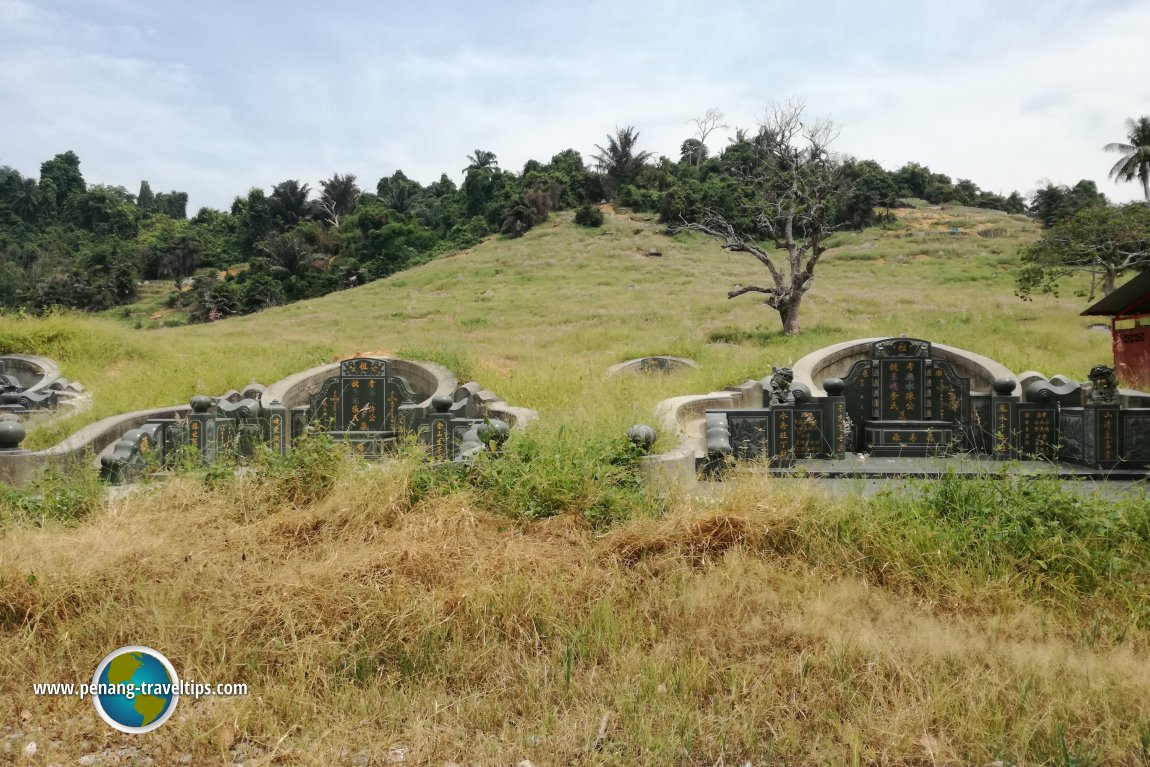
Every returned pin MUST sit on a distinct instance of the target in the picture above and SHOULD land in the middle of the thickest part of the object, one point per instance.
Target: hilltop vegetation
(65, 242)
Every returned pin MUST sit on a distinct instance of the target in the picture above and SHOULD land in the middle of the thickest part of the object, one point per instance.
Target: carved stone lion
(1104, 384)
(781, 379)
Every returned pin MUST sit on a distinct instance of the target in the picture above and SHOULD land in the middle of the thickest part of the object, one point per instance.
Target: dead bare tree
(791, 182)
(705, 126)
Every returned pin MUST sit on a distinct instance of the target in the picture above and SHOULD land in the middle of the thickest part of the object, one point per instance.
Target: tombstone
(361, 405)
(363, 398)
(907, 403)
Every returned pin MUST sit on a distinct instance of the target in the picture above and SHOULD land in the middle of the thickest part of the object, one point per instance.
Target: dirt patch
(380, 354)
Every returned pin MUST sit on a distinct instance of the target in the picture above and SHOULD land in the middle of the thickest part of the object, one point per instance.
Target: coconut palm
(618, 161)
(1135, 162)
(481, 160)
(23, 198)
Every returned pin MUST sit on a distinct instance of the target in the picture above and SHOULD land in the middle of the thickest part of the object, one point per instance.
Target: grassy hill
(547, 607)
(539, 318)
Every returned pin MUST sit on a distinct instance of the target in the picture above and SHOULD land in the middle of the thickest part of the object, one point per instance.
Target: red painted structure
(1128, 308)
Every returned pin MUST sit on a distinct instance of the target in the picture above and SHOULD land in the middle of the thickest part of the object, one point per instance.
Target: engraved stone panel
(1034, 434)
(1136, 436)
(750, 435)
(901, 347)
(809, 440)
(902, 390)
(1070, 435)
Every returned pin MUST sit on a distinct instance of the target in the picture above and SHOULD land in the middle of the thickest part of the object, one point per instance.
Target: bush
(542, 474)
(639, 200)
(54, 497)
(589, 215)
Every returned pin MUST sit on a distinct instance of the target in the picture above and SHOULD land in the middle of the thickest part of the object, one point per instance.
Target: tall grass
(764, 623)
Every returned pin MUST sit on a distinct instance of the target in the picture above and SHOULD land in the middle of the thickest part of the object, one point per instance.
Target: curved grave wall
(658, 363)
(427, 399)
(836, 361)
(30, 384)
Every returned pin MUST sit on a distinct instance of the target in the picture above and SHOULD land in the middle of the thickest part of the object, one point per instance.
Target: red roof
(1131, 298)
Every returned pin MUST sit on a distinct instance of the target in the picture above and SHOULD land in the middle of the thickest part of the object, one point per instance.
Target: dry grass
(365, 622)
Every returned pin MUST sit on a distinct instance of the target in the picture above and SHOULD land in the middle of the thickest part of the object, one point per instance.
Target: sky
(213, 98)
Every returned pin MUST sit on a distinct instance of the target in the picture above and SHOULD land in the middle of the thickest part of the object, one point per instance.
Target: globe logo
(136, 689)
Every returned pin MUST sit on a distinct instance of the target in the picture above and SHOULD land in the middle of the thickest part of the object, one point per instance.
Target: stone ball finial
(493, 430)
(201, 403)
(11, 435)
(834, 386)
(642, 436)
(1003, 387)
(441, 403)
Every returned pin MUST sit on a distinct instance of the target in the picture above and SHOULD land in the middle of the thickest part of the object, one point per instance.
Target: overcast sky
(213, 98)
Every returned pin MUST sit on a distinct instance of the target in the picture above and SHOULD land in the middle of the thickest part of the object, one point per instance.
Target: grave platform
(972, 467)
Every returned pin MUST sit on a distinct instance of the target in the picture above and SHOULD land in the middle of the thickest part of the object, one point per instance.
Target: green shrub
(54, 497)
(1027, 533)
(544, 474)
(589, 215)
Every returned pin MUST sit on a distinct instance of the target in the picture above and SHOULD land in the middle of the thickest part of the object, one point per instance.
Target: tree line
(67, 243)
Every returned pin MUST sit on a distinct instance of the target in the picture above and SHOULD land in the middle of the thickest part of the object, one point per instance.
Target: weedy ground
(547, 606)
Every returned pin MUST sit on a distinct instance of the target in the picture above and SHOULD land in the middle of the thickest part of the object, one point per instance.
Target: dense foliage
(69, 244)
(1101, 240)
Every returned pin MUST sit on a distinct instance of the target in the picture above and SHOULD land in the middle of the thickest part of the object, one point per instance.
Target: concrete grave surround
(428, 380)
(41, 377)
(684, 417)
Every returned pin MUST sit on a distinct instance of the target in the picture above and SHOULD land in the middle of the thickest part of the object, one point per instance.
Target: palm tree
(24, 201)
(289, 203)
(618, 160)
(1135, 162)
(289, 252)
(339, 198)
(481, 160)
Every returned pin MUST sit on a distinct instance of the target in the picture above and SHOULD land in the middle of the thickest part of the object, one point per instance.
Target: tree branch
(736, 292)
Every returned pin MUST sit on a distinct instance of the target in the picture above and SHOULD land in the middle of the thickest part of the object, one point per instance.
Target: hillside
(538, 318)
(548, 608)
